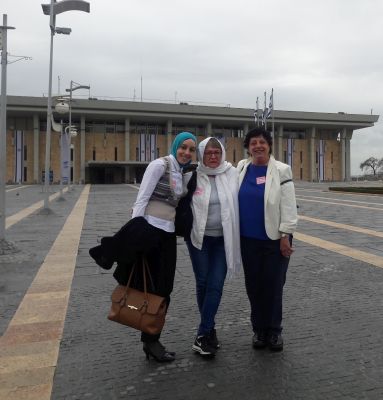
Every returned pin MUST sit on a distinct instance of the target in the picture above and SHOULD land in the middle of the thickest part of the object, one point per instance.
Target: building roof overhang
(101, 110)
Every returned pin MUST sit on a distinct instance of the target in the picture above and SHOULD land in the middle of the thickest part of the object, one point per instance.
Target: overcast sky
(318, 56)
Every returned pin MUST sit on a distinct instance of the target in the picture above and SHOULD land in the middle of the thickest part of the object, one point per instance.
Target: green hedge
(355, 189)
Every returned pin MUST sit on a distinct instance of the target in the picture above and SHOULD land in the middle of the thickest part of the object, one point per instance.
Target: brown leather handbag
(139, 310)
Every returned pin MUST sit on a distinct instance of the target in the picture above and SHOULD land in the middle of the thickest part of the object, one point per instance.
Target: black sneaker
(275, 342)
(259, 340)
(213, 340)
(202, 346)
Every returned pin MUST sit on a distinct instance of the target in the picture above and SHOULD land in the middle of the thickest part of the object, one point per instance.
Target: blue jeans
(209, 266)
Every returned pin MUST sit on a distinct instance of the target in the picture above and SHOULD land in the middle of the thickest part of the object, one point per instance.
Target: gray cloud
(318, 56)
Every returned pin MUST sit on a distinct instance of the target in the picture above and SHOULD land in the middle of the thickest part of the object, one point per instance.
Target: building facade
(117, 139)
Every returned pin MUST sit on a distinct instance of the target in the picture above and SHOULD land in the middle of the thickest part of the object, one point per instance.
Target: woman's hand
(285, 246)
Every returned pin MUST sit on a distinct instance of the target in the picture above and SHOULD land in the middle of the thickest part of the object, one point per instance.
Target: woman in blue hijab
(160, 190)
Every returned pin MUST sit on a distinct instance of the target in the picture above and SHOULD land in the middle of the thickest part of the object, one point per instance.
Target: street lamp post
(71, 130)
(3, 119)
(52, 10)
(62, 107)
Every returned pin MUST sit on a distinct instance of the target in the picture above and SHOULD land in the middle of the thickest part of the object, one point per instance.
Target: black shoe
(213, 340)
(101, 260)
(158, 352)
(202, 346)
(275, 342)
(259, 340)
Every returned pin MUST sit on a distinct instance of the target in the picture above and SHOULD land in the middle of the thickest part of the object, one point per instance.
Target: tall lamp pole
(3, 119)
(52, 10)
(71, 130)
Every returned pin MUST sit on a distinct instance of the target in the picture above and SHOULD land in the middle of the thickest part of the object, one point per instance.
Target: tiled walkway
(57, 343)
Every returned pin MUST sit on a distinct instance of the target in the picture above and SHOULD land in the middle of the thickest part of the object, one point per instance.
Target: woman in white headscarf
(214, 244)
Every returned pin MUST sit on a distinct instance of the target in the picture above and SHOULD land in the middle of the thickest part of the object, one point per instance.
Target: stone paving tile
(33, 236)
(35, 332)
(20, 198)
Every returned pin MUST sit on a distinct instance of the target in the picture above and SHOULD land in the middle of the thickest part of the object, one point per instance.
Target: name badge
(261, 180)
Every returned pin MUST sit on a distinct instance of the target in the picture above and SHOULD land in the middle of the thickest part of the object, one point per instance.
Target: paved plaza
(56, 342)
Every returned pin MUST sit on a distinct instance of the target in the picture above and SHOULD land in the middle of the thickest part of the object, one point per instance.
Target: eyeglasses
(209, 153)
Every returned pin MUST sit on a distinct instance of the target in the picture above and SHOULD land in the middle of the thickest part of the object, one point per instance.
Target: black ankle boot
(158, 352)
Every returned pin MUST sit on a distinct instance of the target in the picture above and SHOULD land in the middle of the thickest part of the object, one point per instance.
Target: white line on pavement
(342, 226)
(25, 212)
(17, 188)
(341, 249)
(332, 198)
(340, 204)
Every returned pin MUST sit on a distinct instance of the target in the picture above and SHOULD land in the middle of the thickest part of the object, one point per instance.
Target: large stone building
(117, 139)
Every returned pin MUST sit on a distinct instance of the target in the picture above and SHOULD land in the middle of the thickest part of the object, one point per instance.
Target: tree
(372, 163)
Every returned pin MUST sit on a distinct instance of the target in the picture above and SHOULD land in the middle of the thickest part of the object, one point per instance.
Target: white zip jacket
(280, 204)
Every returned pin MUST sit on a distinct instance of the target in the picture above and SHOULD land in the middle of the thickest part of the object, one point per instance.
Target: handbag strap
(130, 276)
(146, 269)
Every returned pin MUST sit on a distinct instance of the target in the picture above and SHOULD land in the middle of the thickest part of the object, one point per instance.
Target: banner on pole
(65, 162)
(19, 156)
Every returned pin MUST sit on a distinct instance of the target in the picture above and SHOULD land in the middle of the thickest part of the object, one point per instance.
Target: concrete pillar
(343, 155)
(36, 140)
(169, 128)
(245, 130)
(278, 143)
(348, 161)
(82, 150)
(312, 153)
(348, 155)
(127, 139)
(209, 129)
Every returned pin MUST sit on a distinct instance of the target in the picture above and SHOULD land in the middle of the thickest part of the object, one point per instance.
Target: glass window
(120, 128)
(294, 133)
(99, 127)
(110, 128)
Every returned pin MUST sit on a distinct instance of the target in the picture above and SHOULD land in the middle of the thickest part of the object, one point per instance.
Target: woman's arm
(152, 175)
(289, 217)
(288, 205)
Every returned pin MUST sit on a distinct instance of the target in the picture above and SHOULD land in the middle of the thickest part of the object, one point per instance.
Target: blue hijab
(178, 140)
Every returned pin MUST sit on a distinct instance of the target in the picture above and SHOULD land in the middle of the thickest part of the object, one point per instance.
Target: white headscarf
(224, 166)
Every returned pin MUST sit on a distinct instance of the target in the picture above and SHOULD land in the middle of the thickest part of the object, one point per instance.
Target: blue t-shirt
(251, 203)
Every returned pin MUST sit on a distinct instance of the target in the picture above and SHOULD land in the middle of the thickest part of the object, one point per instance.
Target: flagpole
(257, 111)
(272, 113)
(265, 113)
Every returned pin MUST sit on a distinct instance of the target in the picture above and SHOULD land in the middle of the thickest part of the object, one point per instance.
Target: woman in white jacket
(214, 246)
(268, 218)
